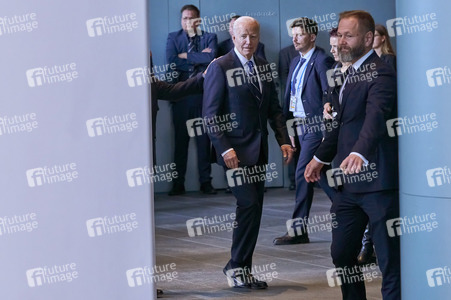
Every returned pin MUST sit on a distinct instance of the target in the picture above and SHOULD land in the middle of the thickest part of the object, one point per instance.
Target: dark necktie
(345, 76)
(193, 46)
(293, 81)
(253, 80)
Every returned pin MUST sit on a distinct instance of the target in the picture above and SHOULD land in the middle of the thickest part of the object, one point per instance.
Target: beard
(352, 53)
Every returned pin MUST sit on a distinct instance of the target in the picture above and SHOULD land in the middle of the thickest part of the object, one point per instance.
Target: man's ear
(369, 39)
(313, 37)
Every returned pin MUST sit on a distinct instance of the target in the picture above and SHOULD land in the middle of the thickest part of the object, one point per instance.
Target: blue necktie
(293, 81)
(253, 80)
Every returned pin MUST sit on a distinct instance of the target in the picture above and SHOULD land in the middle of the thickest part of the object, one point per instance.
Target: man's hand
(231, 160)
(313, 170)
(293, 144)
(352, 164)
(327, 112)
(287, 152)
(183, 55)
(207, 50)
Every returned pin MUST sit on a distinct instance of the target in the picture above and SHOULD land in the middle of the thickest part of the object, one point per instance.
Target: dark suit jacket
(177, 43)
(314, 83)
(365, 108)
(389, 59)
(225, 46)
(173, 92)
(221, 99)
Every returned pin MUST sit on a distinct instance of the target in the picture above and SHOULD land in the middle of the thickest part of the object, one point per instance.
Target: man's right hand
(231, 160)
(327, 112)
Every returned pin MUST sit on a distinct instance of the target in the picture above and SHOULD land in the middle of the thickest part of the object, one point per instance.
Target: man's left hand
(352, 164)
(287, 152)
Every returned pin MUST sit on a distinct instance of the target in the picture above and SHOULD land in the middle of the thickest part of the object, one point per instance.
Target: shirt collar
(359, 62)
(308, 54)
(243, 59)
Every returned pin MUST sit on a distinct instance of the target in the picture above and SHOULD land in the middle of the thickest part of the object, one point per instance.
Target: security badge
(292, 103)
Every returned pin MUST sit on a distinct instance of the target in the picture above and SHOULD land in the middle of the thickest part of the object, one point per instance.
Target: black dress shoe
(207, 188)
(228, 190)
(159, 293)
(366, 255)
(240, 278)
(291, 240)
(255, 283)
(292, 187)
(177, 189)
(236, 278)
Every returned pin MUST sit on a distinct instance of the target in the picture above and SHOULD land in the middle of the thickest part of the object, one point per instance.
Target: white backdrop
(76, 217)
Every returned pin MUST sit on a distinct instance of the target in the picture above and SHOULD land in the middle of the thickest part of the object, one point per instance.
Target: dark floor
(292, 272)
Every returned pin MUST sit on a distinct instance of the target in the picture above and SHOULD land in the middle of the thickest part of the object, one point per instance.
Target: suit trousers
(352, 213)
(309, 142)
(190, 108)
(249, 207)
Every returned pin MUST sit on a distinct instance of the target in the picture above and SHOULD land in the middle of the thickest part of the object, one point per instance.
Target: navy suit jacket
(177, 43)
(225, 46)
(173, 92)
(225, 95)
(314, 83)
(365, 108)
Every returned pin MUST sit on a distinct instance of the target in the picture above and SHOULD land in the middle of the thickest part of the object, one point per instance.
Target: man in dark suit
(286, 55)
(361, 145)
(161, 90)
(303, 105)
(225, 46)
(191, 49)
(241, 84)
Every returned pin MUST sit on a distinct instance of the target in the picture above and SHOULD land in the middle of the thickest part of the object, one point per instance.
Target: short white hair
(244, 20)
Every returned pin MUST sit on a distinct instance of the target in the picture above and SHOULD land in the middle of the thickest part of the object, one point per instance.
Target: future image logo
(40, 276)
(438, 276)
(112, 124)
(111, 225)
(438, 76)
(410, 25)
(51, 75)
(438, 176)
(111, 24)
(51, 175)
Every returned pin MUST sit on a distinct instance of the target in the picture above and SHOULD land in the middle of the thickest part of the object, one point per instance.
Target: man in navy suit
(362, 146)
(303, 107)
(240, 84)
(191, 49)
(225, 46)
(286, 55)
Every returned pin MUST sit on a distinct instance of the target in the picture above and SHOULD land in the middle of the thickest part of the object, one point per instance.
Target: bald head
(246, 35)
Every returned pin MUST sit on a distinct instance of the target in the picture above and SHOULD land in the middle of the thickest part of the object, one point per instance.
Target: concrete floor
(292, 272)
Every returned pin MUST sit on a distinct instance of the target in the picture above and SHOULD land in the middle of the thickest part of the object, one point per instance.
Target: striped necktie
(253, 80)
